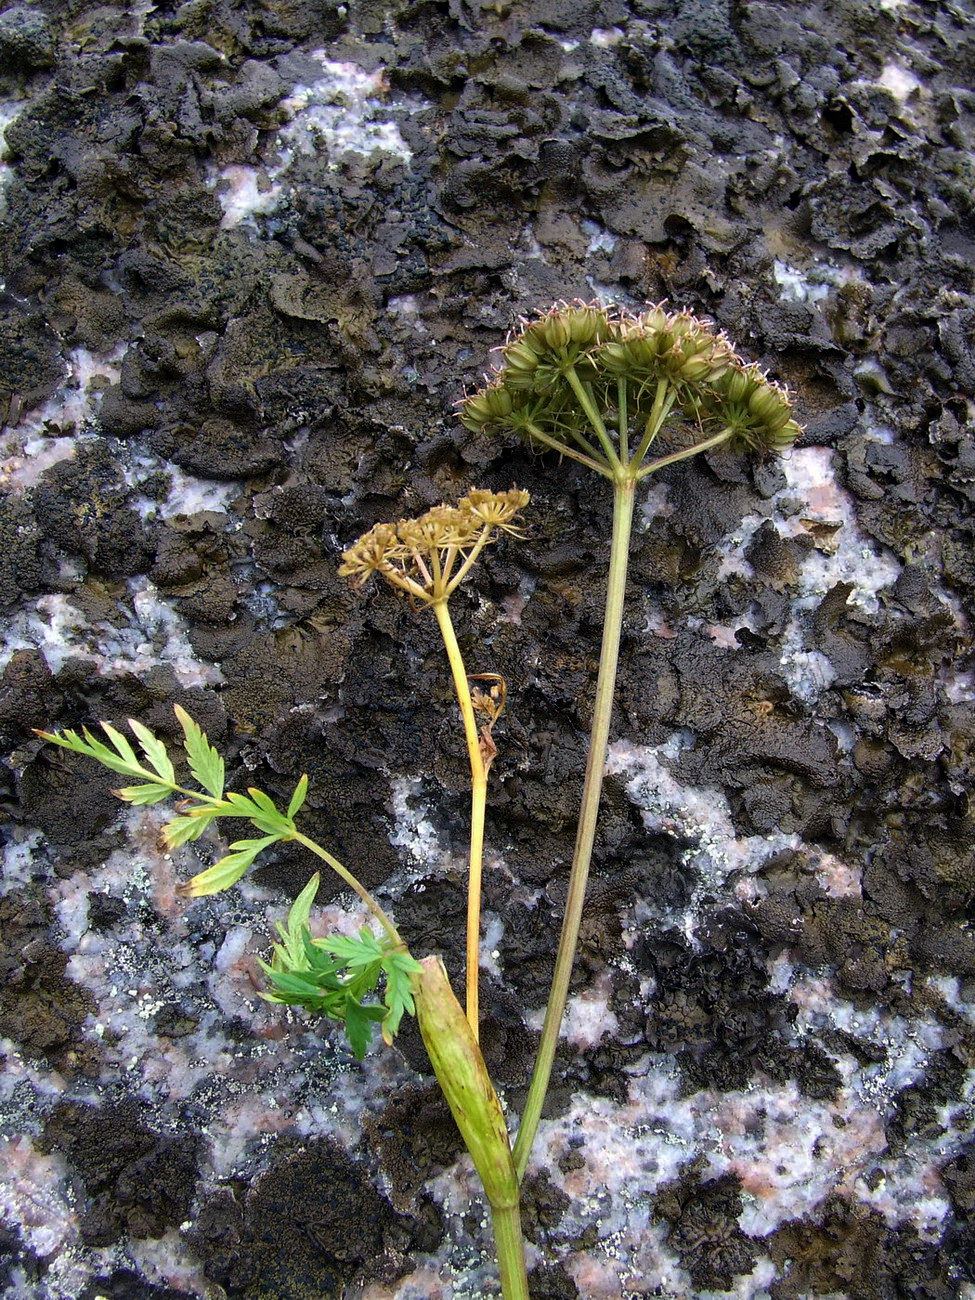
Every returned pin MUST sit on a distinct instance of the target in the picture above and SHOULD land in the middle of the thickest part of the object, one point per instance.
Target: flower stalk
(478, 768)
(624, 498)
(427, 559)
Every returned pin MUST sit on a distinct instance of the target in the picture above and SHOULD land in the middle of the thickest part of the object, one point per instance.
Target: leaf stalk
(345, 875)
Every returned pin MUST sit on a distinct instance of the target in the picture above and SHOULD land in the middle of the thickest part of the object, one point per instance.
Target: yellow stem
(478, 800)
(474, 874)
(487, 532)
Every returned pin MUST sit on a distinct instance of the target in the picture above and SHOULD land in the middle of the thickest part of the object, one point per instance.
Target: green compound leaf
(355, 953)
(125, 750)
(314, 959)
(264, 802)
(318, 992)
(334, 976)
(400, 970)
(359, 1023)
(90, 747)
(205, 763)
(181, 830)
(293, 934)
(263, 814)
(155, 752)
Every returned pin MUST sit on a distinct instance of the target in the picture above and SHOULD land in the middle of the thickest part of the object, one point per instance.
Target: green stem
(583, 442)
(509, 1247)
(585, 399)
(478, 800)
(663, 402)
(623, 502)
(564, 449)
(351, 881)
(707, 445)
(623, 419)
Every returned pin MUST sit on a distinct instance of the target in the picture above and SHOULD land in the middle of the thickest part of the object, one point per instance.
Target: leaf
(362, 951)
(315, 956)
(299, 797)
(99, 751)
(359, 1021)
(143, 794)
(229, 869)
(263, 801)
(155, 752)
(238, 805)
(303, 991)
(183, 829)
(67, 739)
(122, 745)
(400, 968)
(92, 748)
(254, 847)
(325, 977)
(294, 935)
(299, 985)
(317, 961)
(205, 763)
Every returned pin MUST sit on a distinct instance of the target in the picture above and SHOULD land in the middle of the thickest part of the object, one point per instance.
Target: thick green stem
(623, 501)
(466, 1085)
(510, 1250)
(478, 800)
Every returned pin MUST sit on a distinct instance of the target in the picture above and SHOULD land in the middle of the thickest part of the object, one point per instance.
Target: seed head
(582, 378)
(373, 553)
(496, 509)
(661, 345)
(758, 411)
(427, 557)
(437, 530)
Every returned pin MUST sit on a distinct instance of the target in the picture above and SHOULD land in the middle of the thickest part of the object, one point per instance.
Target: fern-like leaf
(205, 763)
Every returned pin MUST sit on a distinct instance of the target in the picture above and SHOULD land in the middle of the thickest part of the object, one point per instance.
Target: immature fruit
(757, 411)
(579, 369)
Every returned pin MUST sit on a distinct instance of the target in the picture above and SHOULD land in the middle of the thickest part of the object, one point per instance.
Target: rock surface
(251, 255)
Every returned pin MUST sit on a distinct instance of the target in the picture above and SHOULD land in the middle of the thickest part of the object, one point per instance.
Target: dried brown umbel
(430, 556)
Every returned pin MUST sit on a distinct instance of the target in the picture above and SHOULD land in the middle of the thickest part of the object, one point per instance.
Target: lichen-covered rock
(253, 254)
